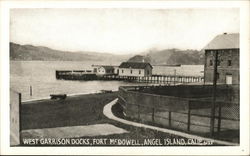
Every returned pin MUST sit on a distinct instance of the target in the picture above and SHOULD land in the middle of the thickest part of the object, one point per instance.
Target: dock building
(135, 69)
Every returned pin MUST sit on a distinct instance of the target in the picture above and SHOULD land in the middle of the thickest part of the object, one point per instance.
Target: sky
(121, 30)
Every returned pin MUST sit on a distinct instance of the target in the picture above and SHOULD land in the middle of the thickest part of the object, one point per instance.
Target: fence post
(169, 118)
(189, 117)
(153, 114)
(219, 118)
(214, 94)
(174, 76)
(20, 116)
(138, 112)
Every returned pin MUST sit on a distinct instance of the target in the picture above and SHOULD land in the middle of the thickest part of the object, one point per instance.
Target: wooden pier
(157, 79)
(161, 79)
(76, 75)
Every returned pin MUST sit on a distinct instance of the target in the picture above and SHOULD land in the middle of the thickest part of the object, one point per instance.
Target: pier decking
(161, 79)
(75, 75)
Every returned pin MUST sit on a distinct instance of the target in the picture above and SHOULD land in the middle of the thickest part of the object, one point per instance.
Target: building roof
(107, 67)
(95, 65)
(135, 65)
(224, 41)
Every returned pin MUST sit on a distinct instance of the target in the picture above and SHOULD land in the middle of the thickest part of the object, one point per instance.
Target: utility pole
(214, 94)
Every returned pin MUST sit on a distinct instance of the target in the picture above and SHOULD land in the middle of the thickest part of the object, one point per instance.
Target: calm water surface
(41, 76)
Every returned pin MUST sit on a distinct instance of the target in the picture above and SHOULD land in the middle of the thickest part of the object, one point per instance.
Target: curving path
(108, 113)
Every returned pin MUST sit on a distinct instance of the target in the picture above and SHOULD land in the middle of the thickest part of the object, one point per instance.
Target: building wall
(223, 68)
(148, 71)
(135, 72)
(95, 70)
(101, 70)
(127, 72)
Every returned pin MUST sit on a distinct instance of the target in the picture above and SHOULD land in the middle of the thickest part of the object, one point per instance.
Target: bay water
(40, 75)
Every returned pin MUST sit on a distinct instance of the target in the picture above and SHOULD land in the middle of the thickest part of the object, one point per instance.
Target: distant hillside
(163, 57)
(170, 57)
(139, 58)
(175, 56)
(30, 52)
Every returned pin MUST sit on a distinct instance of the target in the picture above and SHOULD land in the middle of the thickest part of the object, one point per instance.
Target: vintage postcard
(125, 78)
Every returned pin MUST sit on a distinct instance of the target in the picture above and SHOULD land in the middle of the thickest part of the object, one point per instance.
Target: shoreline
(68, 95)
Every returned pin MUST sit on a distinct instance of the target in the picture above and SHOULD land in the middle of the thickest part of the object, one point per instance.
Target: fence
(176, 109)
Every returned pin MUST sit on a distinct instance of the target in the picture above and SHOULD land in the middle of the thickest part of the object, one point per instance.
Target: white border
(243, 149)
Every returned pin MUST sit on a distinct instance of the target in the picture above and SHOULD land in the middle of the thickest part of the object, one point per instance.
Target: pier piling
(30, 90)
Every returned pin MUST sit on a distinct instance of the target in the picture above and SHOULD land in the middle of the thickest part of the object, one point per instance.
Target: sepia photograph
(124, 77)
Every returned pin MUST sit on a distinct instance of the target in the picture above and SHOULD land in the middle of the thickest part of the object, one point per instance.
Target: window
(122, 71)
(229, 62)
(139, 72)
(211, 53)
(211, 62)
(131, 71)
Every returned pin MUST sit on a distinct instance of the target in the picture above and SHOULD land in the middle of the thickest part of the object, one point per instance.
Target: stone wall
(165, 106)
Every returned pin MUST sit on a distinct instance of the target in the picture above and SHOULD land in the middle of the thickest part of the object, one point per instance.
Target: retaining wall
(192, 114)
(15, 126)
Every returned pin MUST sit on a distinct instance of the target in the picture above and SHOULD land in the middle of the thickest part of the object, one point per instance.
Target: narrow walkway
(108, 113)
(74, 131)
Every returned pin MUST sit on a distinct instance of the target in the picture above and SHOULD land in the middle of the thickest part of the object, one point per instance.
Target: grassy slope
(29, 52)
(80, 110)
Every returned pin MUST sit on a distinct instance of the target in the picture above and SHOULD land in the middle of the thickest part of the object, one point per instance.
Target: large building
(227, 48)
(135, 69)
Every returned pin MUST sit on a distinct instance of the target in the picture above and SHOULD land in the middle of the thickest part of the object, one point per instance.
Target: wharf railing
(155, 79)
